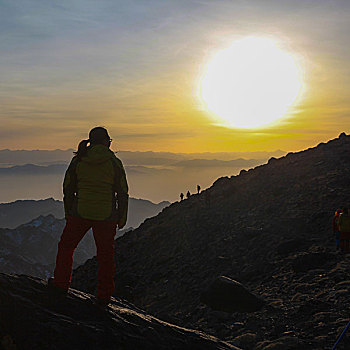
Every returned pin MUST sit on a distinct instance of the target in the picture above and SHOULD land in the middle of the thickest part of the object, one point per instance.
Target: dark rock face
(29, 320)
(268, 228)
(225, 294)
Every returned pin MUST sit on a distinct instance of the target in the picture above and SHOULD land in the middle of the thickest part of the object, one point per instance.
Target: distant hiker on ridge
(344, 229)
(95, 196)
(198, 189)
(188, 194)
(182, 196)
(335, 227)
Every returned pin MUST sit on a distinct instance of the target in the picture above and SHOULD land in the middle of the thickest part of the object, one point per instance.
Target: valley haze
(155, 176)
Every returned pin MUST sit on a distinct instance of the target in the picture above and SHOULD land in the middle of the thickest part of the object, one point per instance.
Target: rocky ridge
(268, 228)
(29, 319)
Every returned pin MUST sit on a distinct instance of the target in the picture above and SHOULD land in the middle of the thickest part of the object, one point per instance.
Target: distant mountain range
(156, 176)
(31, 231)
(49, 157)
(31, 248)
(32, 169)
(22, 211)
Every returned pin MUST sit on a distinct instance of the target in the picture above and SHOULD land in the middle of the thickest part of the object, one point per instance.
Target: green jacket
(344, 222)
(95, 187)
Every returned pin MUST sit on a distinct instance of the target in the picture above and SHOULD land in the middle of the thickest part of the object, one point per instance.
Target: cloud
(169, 135)
(30, 169)
(134, 65)
(215, 163)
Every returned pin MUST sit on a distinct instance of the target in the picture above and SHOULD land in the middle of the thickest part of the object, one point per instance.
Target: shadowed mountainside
(268, 228)
(29, 320)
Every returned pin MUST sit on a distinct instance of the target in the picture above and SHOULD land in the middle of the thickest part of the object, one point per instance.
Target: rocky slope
(22, 211)
(268, 228)
(29, 319)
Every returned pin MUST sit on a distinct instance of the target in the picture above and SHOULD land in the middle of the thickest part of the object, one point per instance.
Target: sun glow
(250, 84)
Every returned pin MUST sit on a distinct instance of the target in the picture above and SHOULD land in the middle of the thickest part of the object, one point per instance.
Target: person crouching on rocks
(344, 229)
(95, 196)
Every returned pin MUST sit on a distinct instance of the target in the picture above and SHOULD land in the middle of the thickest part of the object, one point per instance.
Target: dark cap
(98, 134)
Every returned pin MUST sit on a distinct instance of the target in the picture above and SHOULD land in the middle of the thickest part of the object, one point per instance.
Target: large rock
(229, 295)
(309, 261)
(29, 321)
(291, 246)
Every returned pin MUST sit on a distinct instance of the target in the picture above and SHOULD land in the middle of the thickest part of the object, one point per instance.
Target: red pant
(74, 231)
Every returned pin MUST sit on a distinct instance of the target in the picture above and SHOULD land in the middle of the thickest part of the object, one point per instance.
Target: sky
(135, 67)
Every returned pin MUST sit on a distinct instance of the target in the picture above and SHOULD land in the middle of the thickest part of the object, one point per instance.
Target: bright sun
(250, 84)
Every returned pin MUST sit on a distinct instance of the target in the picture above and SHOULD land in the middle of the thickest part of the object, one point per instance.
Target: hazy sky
(134, 66)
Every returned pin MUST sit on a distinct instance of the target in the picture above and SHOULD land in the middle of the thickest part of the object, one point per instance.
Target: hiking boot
(55, 291)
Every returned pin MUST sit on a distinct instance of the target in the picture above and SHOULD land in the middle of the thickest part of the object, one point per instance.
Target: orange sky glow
(135, 69)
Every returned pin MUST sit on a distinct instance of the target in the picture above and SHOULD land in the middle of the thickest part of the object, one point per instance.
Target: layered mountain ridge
(31, 247)
(20, 212)
(270, 229)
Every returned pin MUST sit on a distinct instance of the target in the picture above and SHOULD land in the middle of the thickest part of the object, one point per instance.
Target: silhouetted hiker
(182, 196)
(198, 189)
(188, 194)
(95, 196)
(344, 229)
(335, 227)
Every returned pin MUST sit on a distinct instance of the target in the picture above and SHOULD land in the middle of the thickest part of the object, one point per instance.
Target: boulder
(290, 246)
(226, 294)
(310, 261)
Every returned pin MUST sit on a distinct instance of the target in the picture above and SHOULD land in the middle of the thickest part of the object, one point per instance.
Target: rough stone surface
(30, 320)
(228, 295)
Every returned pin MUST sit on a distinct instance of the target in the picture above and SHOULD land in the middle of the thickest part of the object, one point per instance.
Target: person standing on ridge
(95, 196)
(198, 189)
(188, 194)
(182, 196)
(344, 229)
(335, 227)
